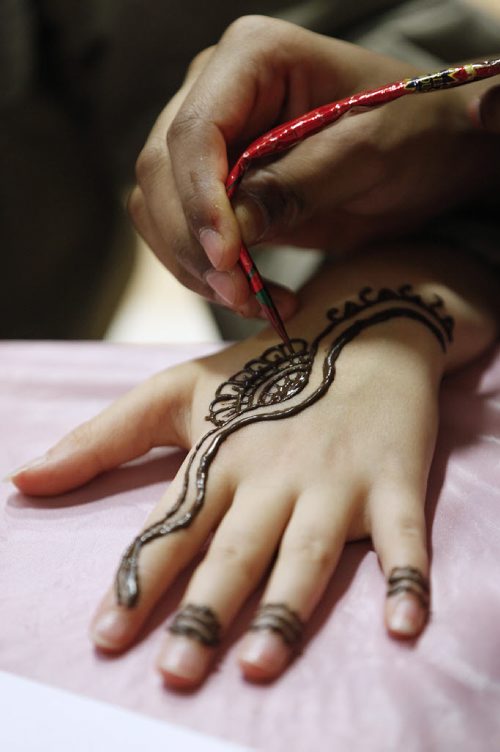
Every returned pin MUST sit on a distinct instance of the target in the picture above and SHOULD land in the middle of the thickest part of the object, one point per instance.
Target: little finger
(399, 537)
(147, 571)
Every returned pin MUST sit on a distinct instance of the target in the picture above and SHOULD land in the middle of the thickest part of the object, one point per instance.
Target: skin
(489, 110)
(371, 175)
(333, 479)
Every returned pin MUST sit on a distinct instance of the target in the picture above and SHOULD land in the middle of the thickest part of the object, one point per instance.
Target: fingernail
(252, 219)
(213, 245)
(110, 629)
(222, 284)
(185, 659)
(27, 466)
(263, 654)
(405, 616)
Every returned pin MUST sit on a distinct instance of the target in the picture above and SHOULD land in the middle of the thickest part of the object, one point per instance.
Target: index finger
(216, 114)
(264, 71)
(169, 234)
(261, 72)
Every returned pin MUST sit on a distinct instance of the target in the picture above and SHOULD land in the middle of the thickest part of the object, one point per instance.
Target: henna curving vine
(260, 391)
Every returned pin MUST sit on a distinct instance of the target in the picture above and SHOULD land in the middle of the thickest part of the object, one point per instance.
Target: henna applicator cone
(289, 134)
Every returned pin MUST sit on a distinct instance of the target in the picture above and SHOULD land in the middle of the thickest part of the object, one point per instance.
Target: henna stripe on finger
(279, 618)
(199, 623)
(409, 580)
(260, 391)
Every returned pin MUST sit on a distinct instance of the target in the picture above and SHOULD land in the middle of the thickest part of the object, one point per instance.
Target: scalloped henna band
(409, 580)
(198, 622)
(279, 618)
(257, 393)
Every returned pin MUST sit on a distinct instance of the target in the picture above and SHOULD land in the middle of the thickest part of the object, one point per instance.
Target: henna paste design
(409, 580)
(275, 376)
(261, 391)
(280, 619)
(197, 622)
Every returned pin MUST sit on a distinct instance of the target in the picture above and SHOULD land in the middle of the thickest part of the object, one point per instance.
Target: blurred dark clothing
(80, 86)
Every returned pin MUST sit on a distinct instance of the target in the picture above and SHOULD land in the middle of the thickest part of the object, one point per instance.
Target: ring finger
(308, 555)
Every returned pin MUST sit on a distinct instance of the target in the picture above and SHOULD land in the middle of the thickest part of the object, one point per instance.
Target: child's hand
(371, 175)
(352, 465)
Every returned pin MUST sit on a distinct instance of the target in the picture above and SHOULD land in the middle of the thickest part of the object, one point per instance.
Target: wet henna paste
(198, 622)
(270, 380)
(409, 580)
(279, 618)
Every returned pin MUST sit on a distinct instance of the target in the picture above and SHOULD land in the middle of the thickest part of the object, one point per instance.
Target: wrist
(466, 287)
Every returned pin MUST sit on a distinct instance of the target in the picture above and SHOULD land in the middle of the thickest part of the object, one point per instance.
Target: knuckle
(191, 203)
(245, 27)
(199, 62)
(188, 263)
(199, 212)
(398, 472)
(82, 435)
(184, 123)
(236, 557)
(409, 527)
(312, 548)
(281, 201)
(136, 206)
(83, 439)
(149, 162)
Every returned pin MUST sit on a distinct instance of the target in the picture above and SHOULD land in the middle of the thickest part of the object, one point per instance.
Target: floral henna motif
(275, 376)
(261, 391)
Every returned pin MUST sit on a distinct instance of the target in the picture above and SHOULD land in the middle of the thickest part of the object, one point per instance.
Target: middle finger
(239, 554)
(175, 244)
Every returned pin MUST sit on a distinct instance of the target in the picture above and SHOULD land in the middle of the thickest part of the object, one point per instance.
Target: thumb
(489, 110)
(267, 209)
(127, 429)
(300, 190)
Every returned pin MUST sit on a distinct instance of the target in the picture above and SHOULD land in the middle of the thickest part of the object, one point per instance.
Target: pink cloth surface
(353, 688)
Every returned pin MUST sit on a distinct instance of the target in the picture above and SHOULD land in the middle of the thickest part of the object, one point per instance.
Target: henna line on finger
(409, 580)
(409, 588)
(126, 580)
(408, 573)
(280, 619)
(197, 622)
(251, 394)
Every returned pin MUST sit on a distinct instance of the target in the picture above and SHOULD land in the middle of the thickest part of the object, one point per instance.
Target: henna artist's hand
(353, 466)
(372, 174)
(489, 110)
